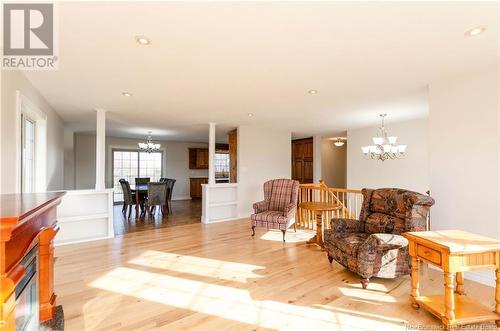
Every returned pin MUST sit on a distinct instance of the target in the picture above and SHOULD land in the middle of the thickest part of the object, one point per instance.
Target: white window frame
(24, 107)
(24, 119)
(117, 149)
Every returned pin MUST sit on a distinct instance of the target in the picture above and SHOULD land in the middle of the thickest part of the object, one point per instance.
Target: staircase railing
(350, 201)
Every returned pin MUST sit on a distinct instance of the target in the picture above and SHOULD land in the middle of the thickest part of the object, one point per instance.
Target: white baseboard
(82, 241)
(181, 197)
(221, 220)
(485, 277)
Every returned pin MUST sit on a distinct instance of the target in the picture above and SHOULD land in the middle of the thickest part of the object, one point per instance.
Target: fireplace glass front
(26, 311)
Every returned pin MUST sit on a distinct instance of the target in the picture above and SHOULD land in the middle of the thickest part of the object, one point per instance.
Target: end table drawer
(429, 254)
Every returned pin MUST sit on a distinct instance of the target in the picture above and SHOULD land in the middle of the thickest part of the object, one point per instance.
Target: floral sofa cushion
(383, 223)
(349, 243)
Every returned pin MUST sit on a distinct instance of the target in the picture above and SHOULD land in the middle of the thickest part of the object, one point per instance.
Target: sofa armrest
(345, 225)
(260, 206)
(383, 242)
(290, 210)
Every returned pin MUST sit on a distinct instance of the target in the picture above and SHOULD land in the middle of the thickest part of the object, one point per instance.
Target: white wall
(464, 152)
(464, 156)
(175, 162)
(13, 81)
(411, 172)
(263, 153)
(317, 159)
(85, 161)
(333, 164)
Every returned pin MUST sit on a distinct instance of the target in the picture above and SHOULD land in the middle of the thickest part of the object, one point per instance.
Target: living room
(399, 103)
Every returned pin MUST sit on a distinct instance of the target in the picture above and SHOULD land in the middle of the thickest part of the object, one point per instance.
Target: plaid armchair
(372, 246)
(277, 210)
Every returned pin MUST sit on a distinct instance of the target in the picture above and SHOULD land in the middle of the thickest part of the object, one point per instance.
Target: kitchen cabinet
(198, 158)
(195, 187)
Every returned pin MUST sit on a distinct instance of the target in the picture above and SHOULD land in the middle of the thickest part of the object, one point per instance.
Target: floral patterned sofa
(373, 246)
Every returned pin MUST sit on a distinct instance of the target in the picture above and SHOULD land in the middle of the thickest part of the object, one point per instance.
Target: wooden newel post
(47, 298)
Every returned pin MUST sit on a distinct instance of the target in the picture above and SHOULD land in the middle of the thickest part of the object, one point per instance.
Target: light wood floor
(217, 277)
(183, 212)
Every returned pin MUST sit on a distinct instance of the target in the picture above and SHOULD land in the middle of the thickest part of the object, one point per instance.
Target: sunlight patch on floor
(200, 266)
(375, 290)
(232, 303)
(291, 236)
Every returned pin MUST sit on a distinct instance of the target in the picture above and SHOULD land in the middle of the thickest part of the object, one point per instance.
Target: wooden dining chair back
(157, 196)
(142, 180)
(128, 196)
(163, 180)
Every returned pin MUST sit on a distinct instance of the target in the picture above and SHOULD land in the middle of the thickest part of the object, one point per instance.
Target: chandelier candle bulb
(385, 146)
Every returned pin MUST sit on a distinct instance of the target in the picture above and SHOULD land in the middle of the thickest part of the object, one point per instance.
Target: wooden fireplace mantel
(25, 221)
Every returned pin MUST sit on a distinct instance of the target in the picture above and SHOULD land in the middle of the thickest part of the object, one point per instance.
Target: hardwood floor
(218, 277)
(183, 212)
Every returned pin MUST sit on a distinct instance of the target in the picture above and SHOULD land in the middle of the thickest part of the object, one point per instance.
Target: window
(27, 154)
(221, 163)
(31, 146)
(129, 164)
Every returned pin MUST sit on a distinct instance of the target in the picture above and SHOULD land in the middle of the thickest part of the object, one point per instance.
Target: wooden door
(302, 160)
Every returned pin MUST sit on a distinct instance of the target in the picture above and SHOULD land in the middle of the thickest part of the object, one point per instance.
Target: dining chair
(157, 196)
(163, 180)
(142, 180)
(170, 187)
(128, 197)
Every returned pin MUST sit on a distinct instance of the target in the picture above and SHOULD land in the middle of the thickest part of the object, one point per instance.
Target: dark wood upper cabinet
(198, 158)
(302, 160)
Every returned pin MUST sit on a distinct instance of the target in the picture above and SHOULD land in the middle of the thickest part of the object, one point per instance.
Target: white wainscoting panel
(85, 215)
(220, 203)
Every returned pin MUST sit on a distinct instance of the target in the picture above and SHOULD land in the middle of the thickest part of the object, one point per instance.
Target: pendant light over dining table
(149, 146)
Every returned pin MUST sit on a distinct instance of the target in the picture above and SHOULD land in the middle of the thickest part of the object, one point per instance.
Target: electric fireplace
(28, 225)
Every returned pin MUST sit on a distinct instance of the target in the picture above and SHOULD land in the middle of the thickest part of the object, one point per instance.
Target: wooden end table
(454, 252)
(318, 208)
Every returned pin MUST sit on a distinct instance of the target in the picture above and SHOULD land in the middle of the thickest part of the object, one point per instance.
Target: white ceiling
(219, 61)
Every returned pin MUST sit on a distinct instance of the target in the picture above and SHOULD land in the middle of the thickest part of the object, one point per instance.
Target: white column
(211, 154)
(100, 150)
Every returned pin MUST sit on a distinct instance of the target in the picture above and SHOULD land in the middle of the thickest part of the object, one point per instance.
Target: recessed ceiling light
(312, 91)
(142, 40)
(126, 94)
(475, 31)
(250, 115)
